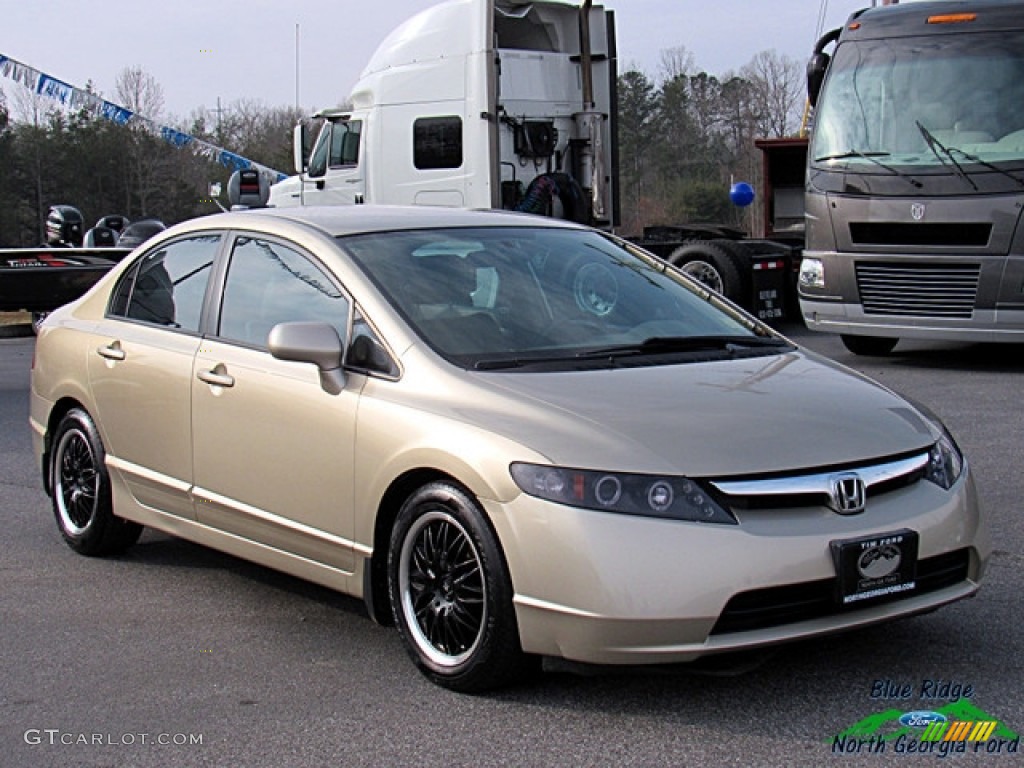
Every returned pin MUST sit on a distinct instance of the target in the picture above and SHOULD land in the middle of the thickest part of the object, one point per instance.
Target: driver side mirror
(299, 155)
(311, 342)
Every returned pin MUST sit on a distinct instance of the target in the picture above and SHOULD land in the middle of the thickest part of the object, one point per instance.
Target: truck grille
(957, 234)
(922, 290)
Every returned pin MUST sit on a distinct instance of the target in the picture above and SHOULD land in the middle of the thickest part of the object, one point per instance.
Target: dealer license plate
(876, 566)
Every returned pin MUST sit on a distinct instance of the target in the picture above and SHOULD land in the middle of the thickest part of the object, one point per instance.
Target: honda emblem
(848, 493)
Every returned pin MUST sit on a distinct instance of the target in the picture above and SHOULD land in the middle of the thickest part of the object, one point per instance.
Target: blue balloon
(741, 194)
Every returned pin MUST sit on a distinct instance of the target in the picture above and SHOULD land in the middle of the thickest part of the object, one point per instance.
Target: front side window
(269, 283)
(345, 143)
(167, 286)
(318, 159)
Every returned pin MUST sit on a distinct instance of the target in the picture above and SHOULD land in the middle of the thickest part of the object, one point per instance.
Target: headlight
(945, 463)
(674, 498)
(812, 273)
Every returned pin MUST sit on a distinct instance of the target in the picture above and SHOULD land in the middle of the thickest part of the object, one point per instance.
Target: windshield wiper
(871, 157)
(938, 149)
(668, 344)
(655, 345)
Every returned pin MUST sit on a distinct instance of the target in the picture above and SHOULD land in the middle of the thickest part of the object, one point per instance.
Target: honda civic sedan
(512, 437)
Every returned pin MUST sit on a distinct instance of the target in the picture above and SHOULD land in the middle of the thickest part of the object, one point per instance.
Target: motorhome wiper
(939, 149)
(986, 164)
(871, 157)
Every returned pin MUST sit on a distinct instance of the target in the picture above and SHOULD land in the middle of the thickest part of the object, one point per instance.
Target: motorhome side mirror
(818, 65)
(816, 69)
(299, 157)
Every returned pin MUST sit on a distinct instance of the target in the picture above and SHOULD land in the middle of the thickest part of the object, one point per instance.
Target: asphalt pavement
(175, 655)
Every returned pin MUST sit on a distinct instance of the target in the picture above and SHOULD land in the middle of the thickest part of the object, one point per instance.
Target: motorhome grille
(959, 234)
(776, 606)
(921, 290)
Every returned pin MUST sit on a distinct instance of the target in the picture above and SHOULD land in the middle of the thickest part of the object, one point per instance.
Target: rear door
(140, 370)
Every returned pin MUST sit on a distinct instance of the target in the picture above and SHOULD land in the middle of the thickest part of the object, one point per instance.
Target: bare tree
(676, 62)
(777, 90)
(140, 92)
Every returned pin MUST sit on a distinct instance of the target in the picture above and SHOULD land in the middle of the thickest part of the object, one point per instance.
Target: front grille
(776, 606)
(921, 290)
(964, 234)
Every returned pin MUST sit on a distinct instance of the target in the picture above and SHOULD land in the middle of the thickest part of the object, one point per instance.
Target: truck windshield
(929, 102)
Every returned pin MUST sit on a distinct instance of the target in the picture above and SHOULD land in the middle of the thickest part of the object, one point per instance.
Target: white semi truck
(510, 104)
(476, 104)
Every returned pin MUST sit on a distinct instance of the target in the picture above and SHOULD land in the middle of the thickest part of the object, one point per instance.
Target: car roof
(339, 220)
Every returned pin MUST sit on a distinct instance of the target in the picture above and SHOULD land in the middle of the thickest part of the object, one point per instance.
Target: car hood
(778, 413)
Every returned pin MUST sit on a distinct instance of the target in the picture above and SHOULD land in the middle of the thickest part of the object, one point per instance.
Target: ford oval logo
(921, 718)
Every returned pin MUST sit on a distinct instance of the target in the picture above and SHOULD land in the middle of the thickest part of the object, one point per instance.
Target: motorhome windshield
(936, 103)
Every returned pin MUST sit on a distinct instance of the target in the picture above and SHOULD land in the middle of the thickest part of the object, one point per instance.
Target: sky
(246, 49)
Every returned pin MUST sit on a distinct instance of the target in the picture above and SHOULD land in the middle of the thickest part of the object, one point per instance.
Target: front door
(273, 451)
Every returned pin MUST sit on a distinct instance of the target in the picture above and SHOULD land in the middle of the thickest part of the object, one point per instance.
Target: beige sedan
(513, 437)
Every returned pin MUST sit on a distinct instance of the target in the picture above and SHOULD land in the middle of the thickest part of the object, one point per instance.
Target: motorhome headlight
(674, 498)
(812, 273)
(945, 463)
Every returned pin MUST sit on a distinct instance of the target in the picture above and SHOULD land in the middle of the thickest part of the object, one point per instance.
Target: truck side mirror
(299, 156)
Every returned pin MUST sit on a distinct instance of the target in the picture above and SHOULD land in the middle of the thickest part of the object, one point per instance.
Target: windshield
(913, 101)
(517, 298)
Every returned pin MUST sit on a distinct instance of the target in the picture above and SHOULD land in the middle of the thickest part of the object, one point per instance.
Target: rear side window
(167, 286)
(437, 142)
(269, 283)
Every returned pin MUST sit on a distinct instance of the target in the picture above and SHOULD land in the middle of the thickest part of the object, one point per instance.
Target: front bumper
(613, 589)
(992, 325)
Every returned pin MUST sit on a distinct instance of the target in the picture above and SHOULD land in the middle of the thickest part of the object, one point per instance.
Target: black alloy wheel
(451, 593)
(81, 490)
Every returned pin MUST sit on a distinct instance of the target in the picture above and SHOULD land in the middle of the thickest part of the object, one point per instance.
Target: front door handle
(217, 377)
(112, 351)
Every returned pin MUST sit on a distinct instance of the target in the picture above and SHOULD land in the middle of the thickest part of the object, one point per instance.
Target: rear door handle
(112, 351)
(218, 377)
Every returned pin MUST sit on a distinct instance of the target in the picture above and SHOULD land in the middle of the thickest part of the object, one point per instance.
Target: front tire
(715, 265)
(870, 346)
(451, 593)
(81, 490)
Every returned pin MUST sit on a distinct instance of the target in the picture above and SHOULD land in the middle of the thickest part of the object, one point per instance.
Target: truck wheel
(712, 265)
(872, 346)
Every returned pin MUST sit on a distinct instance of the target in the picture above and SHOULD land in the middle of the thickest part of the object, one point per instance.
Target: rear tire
(451, 593)
(81, 490)
(870, 346)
